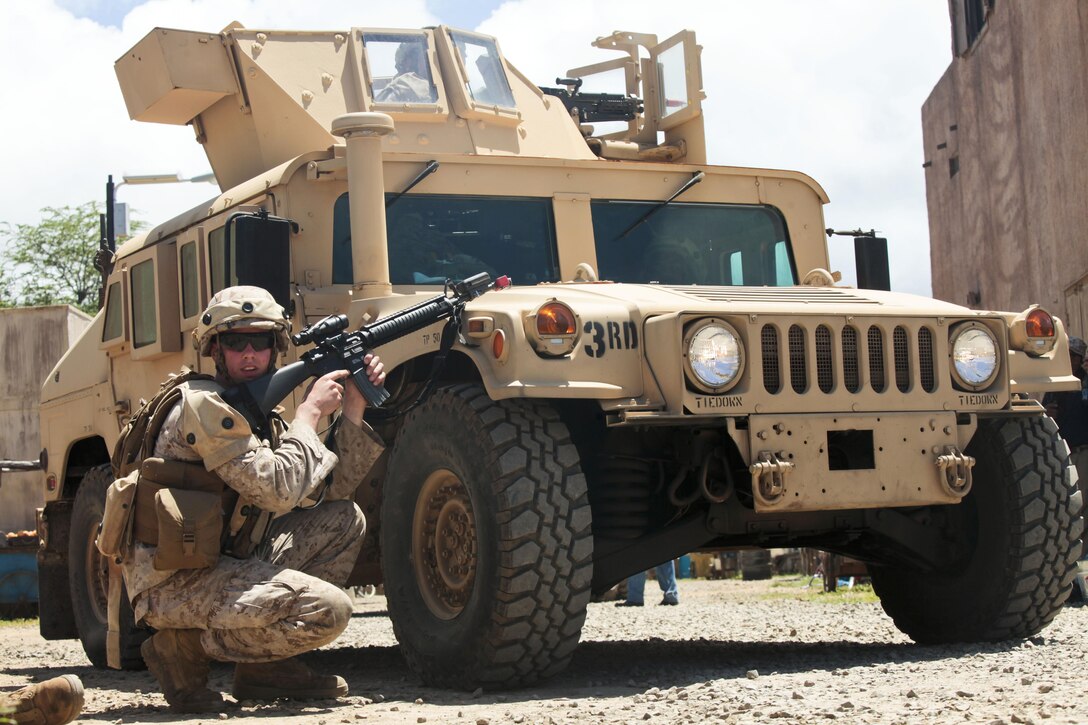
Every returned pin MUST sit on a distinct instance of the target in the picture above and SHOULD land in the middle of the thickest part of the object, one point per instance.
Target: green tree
(7, 297)
(53, 260)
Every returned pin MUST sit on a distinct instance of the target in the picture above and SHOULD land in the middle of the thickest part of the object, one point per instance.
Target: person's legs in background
(636, 588)
(666, 579)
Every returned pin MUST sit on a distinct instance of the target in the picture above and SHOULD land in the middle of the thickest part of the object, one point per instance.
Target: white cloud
(833, 89)
(65, 125)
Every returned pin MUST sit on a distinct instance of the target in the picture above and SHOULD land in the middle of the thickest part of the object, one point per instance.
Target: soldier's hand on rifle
(323, 398)
(354, 402)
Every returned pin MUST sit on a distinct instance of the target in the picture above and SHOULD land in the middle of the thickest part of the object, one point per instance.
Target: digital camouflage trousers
(283, 601)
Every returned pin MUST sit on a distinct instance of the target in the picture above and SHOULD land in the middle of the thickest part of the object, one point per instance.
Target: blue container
(685, 567)
(18, 575)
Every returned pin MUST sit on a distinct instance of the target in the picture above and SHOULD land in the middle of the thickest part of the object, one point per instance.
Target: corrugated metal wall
(32, 339)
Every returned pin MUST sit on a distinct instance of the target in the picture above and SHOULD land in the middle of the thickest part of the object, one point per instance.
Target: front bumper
(853, 461)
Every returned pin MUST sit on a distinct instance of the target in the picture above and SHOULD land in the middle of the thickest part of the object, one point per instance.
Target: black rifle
(335, 349)
(594, 107)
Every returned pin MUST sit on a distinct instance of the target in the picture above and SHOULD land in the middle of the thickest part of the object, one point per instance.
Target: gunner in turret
(412, 83)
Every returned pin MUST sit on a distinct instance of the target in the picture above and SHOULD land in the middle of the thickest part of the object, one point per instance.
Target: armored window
(716, 244)
(190, 281)
(231, 265)
(112, 327)
(398, 68)
(783, 265)
(143, 304)
(437, 237)
(222, 274)
(485, 77)
(672, 75)
(736, 269)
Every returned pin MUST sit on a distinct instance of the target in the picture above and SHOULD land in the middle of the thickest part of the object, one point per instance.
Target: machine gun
(594, 107)
(334, 349)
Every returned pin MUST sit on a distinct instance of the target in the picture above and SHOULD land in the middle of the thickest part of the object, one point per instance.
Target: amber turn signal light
(555, 318)
(552, 329)
(1034, 331)
(1039, 323)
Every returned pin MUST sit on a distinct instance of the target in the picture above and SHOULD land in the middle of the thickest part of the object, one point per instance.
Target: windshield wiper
(432, 166)
(695, 179)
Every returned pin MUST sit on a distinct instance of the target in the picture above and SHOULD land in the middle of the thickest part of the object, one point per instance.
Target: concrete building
(1006, 156)
(32, 340)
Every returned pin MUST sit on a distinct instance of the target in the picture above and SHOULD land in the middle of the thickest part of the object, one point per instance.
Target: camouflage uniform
(286, 599)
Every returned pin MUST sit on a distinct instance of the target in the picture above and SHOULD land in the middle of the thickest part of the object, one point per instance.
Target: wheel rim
(97, 578)
(444, 547)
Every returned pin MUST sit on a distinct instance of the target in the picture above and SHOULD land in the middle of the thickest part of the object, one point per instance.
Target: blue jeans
(666, 579)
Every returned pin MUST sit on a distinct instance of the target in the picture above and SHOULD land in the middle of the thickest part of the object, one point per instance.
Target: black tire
(500, 599)
(88, 579)
(1018, 536)
(755, 565)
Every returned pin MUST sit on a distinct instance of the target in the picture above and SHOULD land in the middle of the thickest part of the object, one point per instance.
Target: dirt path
(735, 652)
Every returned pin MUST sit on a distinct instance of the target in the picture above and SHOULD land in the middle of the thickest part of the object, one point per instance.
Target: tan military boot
(53, 702)
(289, 679)
(178, 661)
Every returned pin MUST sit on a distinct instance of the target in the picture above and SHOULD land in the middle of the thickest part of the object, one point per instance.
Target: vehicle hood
(659, 299)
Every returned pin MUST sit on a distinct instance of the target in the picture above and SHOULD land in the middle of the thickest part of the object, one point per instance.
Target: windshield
(712, 244)
(433, 237)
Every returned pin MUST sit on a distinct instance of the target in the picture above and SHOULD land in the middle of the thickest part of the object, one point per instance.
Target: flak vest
(176, 506)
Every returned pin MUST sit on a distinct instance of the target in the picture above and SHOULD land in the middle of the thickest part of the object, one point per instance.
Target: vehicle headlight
(715, 355)
(974, 356)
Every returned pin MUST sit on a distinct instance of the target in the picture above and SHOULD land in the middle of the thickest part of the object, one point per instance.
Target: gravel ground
(733, 651)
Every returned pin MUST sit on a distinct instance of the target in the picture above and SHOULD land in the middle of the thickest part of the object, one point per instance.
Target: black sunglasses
(237, 341)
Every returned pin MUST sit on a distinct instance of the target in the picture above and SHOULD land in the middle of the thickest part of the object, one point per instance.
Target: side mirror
(871, 259)
(261, 249)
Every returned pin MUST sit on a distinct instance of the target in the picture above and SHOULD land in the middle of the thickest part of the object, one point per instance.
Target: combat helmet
(241, 307)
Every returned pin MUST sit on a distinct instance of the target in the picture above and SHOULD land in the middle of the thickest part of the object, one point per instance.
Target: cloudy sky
(831, 88)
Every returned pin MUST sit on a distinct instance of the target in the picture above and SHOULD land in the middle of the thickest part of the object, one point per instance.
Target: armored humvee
(674, 368)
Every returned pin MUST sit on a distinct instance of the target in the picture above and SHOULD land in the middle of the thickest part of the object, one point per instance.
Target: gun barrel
(402, 323)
